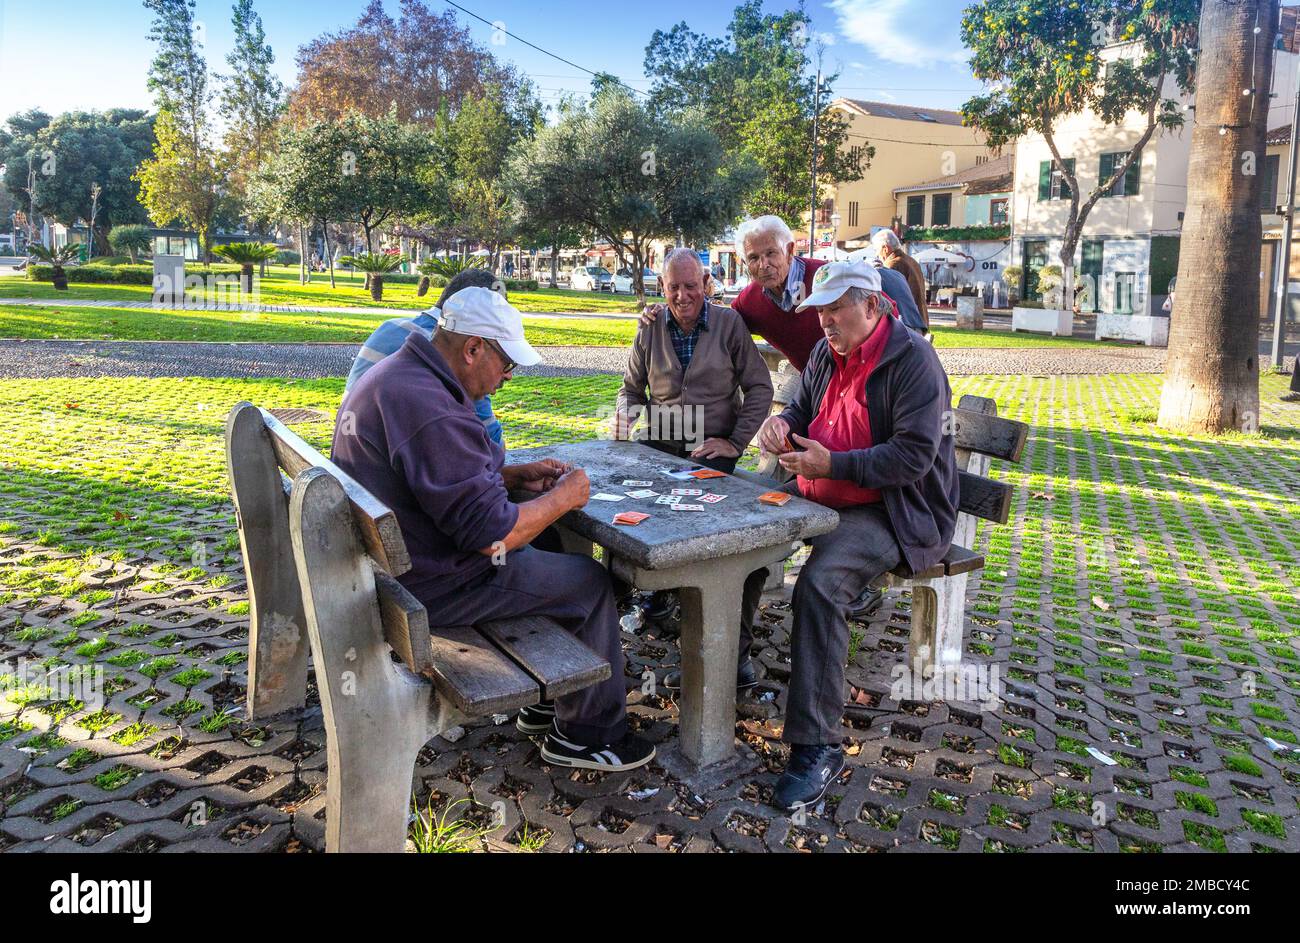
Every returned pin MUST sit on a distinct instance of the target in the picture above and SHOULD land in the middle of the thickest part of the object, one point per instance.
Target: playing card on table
(687, 491)
(688, 507)
(683, 474)
(704, 473)
(667, 499)
(630, 517)
(633, 483)
(713, 498)
(606, 497)
(777, 498)
(642, 493)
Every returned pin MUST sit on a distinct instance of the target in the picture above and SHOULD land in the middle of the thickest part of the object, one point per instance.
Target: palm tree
(1212, 372)
(447, 269)
(130, 239)
(246, 255)
(376, 265)
(56, 259)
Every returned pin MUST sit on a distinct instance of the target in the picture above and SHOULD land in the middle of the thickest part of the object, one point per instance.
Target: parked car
(1168, 306)
(623, 281)
(591, 278)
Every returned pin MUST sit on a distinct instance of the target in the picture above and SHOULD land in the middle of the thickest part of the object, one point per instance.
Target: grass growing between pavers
(280, 287)
(1146, 584)
(49, 322)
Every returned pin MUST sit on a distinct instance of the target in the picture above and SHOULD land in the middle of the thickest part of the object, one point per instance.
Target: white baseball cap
(481, 312)
(834, 278)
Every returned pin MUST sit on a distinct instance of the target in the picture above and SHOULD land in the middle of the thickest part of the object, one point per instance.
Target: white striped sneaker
(628, 753)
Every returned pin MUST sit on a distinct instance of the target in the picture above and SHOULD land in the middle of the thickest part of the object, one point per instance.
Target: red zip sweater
(794, 333)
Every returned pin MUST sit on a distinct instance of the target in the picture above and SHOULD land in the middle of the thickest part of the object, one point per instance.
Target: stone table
(706, 555)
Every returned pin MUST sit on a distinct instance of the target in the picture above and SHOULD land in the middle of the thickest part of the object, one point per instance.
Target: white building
(1129, 245)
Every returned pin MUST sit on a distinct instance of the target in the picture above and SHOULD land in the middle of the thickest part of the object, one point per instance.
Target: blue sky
(68, 54)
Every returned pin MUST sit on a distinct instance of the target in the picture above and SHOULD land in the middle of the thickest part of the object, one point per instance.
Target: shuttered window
(1126, 185)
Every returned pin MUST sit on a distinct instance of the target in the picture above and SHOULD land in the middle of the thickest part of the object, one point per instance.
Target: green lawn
(280, 287)
(353, 327)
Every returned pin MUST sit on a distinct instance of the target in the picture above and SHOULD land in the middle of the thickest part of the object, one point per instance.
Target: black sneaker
(628, 753)
(810, 770)
(866, 603)
(746, 678)
(536, 719)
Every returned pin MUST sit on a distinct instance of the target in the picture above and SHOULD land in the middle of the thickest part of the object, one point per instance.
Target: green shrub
(119, 274)
(110, 260)
(288, 257)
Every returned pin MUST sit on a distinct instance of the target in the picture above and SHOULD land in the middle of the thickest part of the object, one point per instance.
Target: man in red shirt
(864, 434)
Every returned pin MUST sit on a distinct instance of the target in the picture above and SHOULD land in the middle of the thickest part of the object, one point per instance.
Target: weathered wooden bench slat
(559, 661)
(984, 497)
(469, 670)
(989, 434)
(379, 529)
(960, 560)
(406, 622)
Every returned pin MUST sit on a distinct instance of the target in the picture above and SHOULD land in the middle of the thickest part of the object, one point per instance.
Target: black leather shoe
(866, 603)
(810, 771)
(746, 678)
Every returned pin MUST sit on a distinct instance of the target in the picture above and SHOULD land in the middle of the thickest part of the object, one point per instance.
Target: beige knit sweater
(727, 377)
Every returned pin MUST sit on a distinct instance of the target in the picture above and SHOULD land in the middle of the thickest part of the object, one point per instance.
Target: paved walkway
(287, 309)
(304, 361)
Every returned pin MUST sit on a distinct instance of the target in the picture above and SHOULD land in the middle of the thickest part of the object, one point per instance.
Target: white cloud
(903, 32)
(884, 96)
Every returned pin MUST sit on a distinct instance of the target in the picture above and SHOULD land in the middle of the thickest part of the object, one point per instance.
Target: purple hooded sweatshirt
(408, 433)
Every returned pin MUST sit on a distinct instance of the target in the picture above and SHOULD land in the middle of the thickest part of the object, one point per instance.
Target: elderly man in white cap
(407, 431)
(864, 434)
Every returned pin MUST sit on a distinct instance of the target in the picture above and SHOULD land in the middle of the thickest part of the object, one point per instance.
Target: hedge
(957, 233)
(115, 274)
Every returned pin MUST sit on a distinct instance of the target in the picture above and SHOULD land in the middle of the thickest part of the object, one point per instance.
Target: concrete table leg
(710, 644)
(711, 593)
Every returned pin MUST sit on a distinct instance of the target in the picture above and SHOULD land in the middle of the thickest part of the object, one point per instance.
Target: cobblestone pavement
(174, 359)
(170, 764)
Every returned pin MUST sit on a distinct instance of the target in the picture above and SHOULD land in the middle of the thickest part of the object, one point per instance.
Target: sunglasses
(507, 365)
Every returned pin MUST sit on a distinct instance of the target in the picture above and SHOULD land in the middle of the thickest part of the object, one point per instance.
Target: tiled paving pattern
(1143, 604)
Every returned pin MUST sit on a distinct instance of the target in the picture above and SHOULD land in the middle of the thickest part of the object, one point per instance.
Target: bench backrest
(263, 458)
(981, 435)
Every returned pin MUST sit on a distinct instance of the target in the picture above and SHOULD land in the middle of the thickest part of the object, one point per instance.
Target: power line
(500, 27)
(872, 137)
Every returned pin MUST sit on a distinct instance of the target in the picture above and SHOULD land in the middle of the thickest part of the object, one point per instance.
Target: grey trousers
(574, 591)
(839, 568)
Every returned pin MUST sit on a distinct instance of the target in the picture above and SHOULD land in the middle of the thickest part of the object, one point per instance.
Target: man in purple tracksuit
(407, 431)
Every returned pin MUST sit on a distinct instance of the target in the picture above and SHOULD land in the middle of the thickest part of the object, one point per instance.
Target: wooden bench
(939, 593)
(321, 552)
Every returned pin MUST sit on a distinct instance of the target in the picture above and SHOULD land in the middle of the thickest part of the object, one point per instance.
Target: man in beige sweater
(696, 375)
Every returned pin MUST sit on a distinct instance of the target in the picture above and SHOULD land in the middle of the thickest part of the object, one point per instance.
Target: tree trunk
(302, 256)
(1212, 374)
(246, 279)
(555, 260)
(376, 287)
(329, 255)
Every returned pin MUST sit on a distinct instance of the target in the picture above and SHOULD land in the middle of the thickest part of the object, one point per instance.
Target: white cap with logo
(834, 278)
(481, 312)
